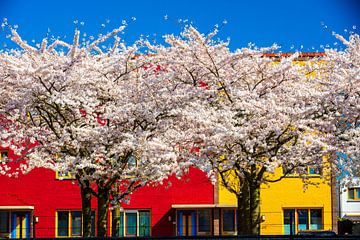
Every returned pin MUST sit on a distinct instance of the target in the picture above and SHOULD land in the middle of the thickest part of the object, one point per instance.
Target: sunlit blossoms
(109, 118)
(120, 118)
(257, 113)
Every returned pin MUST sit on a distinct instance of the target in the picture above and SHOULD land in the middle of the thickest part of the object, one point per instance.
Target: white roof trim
(188, 206)
(16, 207)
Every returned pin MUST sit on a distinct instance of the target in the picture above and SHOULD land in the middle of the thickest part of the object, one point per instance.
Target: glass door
(20, 224)
(186, 223)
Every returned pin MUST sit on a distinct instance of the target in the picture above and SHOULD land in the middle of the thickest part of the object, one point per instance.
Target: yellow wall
(287, 193)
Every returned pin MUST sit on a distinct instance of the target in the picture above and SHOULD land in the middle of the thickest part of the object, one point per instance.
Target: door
(20, 224)
(186, 223)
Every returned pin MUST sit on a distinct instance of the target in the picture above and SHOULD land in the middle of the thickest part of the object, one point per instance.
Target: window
(316, 219)
(204, 221)
(144, 223)
(64, 175)
(3, 155)
(302, 219)
(132, 162)
(289, 221)
(308, 170)
(15, 223)
(34, 116)
(69, 223)
(315, 170)
(354, 193)
(131, 223)
(4, 224)
(228, 221)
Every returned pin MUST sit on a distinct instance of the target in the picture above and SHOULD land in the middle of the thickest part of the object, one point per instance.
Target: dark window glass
(351, 193)
(76, 223)
(131, 222)
(303, 220)
(63, 224)
(144, 223)
(289, 220)
(4, 222)
(316, 219)
(314, 170)
(228, 220)
(204, 220)
(3, 155)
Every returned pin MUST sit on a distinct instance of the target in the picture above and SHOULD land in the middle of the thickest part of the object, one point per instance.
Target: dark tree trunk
(248, 211)
(243, 213)
(255, 209)
(86, 208)
(103, 209)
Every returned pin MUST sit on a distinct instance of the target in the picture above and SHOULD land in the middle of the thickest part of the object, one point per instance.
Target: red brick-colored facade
(41, 194)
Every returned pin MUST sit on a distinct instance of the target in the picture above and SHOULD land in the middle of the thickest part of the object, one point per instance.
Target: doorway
(186, 223)
(20, 224)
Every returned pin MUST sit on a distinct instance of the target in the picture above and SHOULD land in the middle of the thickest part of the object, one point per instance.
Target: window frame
(296, 218)
(295, 173)
(202, 233)
(2, 154)
(60, 176)
(8, 232)
(70, 225)
(123, 220)
(353, 190)
(222, 221)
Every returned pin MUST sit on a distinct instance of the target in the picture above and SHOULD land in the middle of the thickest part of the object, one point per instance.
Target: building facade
(44, 203)
(349, 203)
(291, 204)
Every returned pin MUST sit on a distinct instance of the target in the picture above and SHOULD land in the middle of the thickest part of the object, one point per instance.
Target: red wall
(193, 188)
(40, 189)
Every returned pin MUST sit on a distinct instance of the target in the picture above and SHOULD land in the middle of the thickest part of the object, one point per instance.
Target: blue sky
(288, 23)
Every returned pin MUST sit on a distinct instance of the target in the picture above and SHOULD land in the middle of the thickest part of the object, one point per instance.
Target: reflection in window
(131, 220)
(306, 219)
(131, 163)
(131, 223)
(303, 223)
(69, 223)
(289, 220)
(316, 219)
(76, 223)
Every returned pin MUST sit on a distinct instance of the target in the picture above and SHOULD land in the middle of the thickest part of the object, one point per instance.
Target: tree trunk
(248, 211)
(86, 209)
(243, 212)
(103, 209)
(255, 209)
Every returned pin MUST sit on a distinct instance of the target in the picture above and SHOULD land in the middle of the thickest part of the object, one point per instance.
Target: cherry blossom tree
(254, 115)
(117, 119)
(108, 117)
(342, 76)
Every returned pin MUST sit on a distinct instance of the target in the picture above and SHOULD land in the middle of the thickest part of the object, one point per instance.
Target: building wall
(349, 207)
(41, 190)
(287, 193)
(46, 194)
(193, 188)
